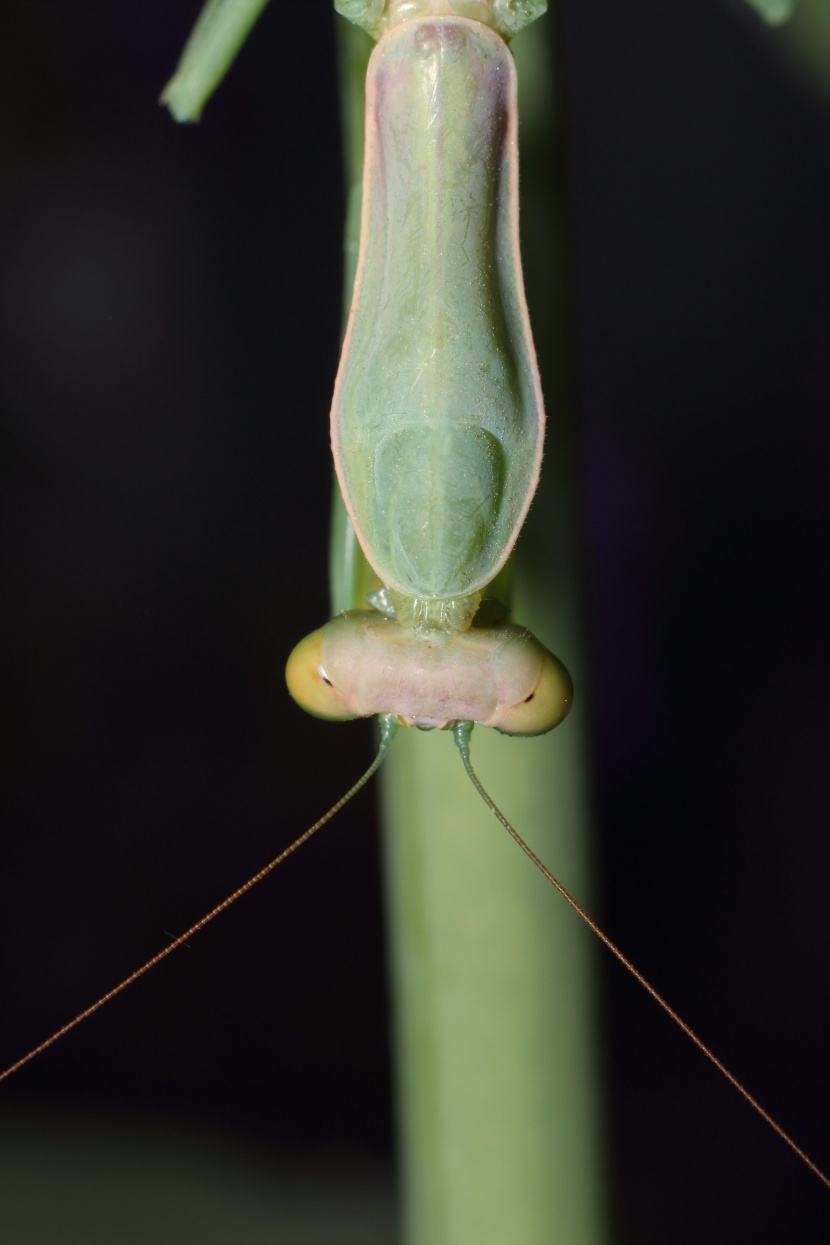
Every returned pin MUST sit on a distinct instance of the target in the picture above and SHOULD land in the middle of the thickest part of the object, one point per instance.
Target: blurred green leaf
(774, 12)
(221, 29)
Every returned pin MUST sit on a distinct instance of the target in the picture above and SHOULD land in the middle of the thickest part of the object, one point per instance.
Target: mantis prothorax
(437, 418)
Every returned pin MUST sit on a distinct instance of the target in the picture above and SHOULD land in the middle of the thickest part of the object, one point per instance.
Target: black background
(169, 321)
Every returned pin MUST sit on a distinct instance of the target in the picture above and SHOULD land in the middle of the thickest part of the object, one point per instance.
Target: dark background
(169, 322)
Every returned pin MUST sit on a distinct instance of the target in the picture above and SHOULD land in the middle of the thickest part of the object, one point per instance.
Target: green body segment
(437, 420)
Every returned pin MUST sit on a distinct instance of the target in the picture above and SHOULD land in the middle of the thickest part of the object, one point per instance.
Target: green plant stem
(493, 983)
(221, 29)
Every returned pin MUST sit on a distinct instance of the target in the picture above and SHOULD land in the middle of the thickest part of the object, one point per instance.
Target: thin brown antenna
(462, 733)
(388, 725)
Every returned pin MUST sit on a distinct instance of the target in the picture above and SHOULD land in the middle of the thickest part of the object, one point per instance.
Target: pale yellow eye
(546, 705)
(308, 683)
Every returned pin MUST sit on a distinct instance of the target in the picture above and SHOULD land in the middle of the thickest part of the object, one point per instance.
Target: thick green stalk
(492, 975)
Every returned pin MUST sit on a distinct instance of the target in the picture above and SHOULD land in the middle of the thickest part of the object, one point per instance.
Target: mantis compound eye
(309, 684)
(545, 706)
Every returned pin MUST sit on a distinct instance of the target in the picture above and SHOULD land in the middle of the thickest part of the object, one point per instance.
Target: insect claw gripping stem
(388, 727)
(462, 733)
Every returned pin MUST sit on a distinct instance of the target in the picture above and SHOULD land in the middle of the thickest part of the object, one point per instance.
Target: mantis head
(362, 663)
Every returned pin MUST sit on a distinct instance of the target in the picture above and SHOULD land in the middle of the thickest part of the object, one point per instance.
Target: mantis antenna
(388, 727)
(462, 732)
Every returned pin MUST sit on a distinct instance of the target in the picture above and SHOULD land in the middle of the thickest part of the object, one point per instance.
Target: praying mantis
(420, 741)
